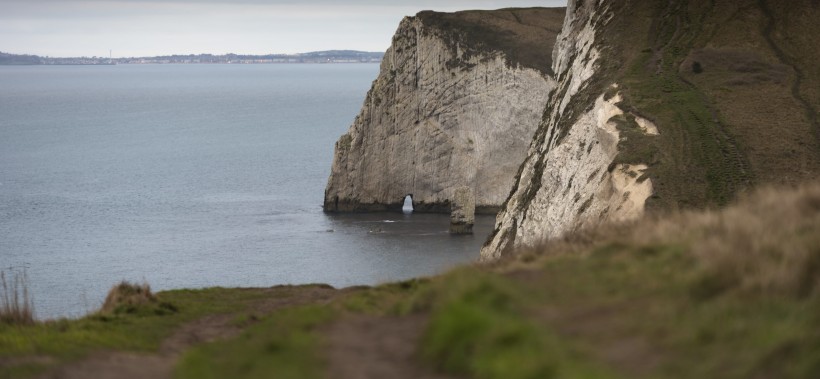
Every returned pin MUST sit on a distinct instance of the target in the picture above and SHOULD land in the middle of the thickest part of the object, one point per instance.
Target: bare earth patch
(361, 347)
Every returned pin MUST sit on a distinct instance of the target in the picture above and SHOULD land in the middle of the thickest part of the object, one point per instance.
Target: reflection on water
(409, 224)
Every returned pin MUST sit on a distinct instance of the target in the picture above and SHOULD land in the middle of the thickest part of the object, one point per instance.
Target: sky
(129, 28)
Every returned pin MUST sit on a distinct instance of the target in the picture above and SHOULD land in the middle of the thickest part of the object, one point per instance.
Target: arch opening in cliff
(407, 207)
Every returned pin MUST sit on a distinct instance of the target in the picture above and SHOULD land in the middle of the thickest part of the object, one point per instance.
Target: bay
(191, 176)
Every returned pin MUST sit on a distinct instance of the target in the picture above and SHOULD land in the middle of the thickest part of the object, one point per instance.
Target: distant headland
(328, 56)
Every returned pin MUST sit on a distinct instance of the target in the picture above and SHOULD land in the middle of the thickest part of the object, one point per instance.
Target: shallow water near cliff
(189, 176)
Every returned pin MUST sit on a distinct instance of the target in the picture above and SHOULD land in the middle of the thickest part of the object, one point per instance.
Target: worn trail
(367, 347)
(160, 365)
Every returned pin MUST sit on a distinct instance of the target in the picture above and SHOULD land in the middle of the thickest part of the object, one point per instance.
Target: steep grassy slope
(732, 86)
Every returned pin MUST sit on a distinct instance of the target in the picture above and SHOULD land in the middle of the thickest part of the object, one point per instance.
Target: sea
(192, 176)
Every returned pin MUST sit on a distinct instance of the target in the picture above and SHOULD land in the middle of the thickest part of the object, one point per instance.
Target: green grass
(386, 299)
(629, 293)
(479, 326)
(695, 147)
(66, 340)
(284, 345)
(557, 319)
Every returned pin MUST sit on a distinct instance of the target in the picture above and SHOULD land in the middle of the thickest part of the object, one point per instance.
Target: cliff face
(455, 104)
(661, 105)
(568, 179)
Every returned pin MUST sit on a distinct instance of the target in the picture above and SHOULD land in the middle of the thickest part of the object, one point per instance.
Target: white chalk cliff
(569, 178)
(446, 111)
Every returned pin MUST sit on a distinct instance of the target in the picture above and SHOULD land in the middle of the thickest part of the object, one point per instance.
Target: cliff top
(524, 35)
(732, 86)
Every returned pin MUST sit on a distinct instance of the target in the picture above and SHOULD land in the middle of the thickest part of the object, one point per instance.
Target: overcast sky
(157, 27)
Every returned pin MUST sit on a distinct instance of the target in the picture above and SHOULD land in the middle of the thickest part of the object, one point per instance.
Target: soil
(364, 347)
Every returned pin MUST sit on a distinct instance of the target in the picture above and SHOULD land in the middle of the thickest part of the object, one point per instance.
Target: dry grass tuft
(16, 305)
(767, 243)
(127, 297)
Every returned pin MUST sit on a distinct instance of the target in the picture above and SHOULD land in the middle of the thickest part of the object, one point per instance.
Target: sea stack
(462, 211)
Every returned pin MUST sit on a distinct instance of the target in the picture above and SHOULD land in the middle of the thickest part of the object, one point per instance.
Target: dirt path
(126, 365)
(363, 347)
(604, 326)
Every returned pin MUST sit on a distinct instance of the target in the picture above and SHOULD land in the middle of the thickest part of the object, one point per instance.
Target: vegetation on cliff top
(524, 35)
(732, 87)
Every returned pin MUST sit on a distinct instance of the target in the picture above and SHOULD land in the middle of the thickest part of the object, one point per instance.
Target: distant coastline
(329, 56)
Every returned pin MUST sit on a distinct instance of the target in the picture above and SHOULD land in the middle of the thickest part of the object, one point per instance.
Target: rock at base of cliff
(462, 211)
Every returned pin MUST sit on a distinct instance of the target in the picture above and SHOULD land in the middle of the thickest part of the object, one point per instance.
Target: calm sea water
(189, 176)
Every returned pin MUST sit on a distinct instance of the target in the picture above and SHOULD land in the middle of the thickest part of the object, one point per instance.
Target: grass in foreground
(729, 294)
(32, 348)
(482, 325)
(284, 345)
(721, 294)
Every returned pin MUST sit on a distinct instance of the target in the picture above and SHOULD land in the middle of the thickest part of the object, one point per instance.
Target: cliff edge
(457, 100)
(663, 106)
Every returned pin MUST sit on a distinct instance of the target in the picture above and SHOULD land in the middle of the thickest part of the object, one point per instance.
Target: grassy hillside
(728, 294)
(733, 87)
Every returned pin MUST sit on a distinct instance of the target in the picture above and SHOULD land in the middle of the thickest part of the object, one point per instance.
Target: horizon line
(189, 54)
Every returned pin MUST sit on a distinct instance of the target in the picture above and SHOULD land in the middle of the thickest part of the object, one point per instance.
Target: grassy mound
(134, 298)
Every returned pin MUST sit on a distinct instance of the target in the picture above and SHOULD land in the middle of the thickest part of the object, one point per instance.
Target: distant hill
(330, 56)
(13, 59)
(343, 54)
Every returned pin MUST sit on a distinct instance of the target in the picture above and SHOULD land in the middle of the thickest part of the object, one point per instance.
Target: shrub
(129, 298)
